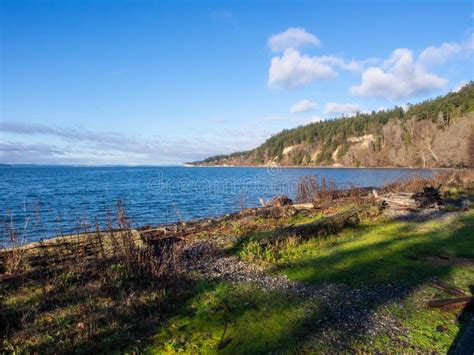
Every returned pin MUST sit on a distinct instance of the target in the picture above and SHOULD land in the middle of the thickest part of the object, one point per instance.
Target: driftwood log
(353, 192)
(452, 303)
(440, 285)
(278, 201)
(461, 300)
(397, 201)
(322, 228)
(427, 198)
(86, 247)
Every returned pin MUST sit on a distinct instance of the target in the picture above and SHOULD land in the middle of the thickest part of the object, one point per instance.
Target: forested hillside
(433, 133)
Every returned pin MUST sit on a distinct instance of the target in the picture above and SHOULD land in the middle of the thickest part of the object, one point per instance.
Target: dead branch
(440, 285)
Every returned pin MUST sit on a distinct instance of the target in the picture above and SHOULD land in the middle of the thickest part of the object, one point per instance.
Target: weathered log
(86, 246)
(396, 201)
(304, 206)
(406, 194)
(451, 303)
(322, 228)
(440, 285)
(278, 201)
(405, 202)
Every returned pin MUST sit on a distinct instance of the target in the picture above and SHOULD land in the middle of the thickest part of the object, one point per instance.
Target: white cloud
(439, 55)
(303, 106)
(292, 38)
(399, 77)
(338, 62)
(345, 109)
(403, 75)
(293, 69)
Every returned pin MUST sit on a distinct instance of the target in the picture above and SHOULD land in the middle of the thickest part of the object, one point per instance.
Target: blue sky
(163, 82)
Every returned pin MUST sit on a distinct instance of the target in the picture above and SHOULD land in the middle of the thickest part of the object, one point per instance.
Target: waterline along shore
(155, 195)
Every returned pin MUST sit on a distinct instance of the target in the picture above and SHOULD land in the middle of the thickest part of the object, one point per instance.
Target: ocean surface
(41, 201)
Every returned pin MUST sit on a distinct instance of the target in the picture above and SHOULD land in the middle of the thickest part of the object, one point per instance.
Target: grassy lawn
(400, 255)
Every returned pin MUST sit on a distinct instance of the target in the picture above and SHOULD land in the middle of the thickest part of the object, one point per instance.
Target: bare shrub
(306, 189)
(309, 189)
(356, 194)
(159, 260)
(14, 240)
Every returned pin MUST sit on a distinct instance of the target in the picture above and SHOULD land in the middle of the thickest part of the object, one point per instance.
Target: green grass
(380, 253)
(235, 318)
(250, 320)
(302, 218)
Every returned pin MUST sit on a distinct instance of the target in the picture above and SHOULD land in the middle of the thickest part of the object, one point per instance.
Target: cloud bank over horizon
(80, 146)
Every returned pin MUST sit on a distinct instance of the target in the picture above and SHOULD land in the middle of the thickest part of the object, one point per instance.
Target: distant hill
(433, 133)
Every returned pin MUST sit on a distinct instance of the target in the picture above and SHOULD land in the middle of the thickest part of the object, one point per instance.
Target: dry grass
(13, 259)
(449, 182)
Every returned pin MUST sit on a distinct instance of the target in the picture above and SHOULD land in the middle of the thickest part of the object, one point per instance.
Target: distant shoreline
(319, 167)
(185, 165)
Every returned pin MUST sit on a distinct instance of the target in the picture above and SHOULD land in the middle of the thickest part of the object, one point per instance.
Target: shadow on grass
(386, 270)
(88, 314)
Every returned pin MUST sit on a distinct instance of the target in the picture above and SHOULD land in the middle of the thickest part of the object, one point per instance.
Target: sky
(166, 82)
